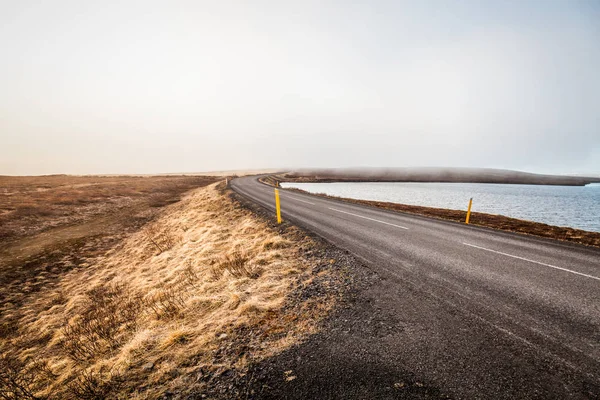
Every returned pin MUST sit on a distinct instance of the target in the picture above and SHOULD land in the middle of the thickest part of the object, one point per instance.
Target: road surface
(479, 313)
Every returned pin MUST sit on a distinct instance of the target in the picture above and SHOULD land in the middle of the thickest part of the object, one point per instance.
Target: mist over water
(439, 174)
(572, 206)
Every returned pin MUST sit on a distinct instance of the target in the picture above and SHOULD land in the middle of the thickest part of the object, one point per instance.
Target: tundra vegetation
(129, 288)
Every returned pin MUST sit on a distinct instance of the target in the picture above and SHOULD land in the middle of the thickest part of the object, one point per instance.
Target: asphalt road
(479, 313)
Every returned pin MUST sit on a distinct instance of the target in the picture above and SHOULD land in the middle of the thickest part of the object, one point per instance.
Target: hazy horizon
(161, 87)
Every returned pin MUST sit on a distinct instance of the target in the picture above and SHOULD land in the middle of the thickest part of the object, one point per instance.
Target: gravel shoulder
(349, 356)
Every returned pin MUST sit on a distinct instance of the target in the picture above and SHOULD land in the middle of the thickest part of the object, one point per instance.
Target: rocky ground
(348, 357)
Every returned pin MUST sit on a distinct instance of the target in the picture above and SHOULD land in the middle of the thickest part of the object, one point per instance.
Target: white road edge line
(370, 219)
(533, 261)
(295, 198)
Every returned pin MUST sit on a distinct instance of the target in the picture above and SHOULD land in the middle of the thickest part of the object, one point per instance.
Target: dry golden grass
(199, 291)
(50, 225)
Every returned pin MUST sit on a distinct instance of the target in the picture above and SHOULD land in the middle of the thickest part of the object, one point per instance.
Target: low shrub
(236, 264)
(108, 314)
(165, 303)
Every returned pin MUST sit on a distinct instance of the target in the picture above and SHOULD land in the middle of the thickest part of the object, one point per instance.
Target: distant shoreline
(433, 175)
(353, 180)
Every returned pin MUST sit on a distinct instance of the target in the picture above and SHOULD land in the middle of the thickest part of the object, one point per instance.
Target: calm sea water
(573, 206)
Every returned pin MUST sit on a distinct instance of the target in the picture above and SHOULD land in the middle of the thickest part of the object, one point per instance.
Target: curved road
(483, 313)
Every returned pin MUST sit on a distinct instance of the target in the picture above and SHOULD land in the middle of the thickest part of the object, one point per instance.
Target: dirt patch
(33, 204)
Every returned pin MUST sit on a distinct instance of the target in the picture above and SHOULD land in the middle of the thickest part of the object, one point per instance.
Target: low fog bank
(435, 174)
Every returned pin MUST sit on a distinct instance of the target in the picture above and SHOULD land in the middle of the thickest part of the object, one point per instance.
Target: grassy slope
(199, 292)
(53, 224)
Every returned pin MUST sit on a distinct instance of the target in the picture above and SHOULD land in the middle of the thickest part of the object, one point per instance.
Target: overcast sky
(176, 86)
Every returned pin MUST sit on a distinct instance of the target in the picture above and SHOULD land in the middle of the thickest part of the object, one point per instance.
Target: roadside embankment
(183, 306)
(499, 222)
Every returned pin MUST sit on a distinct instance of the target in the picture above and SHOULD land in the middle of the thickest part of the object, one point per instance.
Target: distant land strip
(434, 174)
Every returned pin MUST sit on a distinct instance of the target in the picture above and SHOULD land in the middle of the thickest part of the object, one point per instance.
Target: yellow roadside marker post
(469, 211)
(278, 206)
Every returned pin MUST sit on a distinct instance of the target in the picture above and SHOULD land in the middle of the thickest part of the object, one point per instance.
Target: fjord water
(572, 206)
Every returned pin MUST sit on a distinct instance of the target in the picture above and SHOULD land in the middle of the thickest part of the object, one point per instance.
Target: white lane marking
(295, 198)
(370, 219)
(533, 261)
